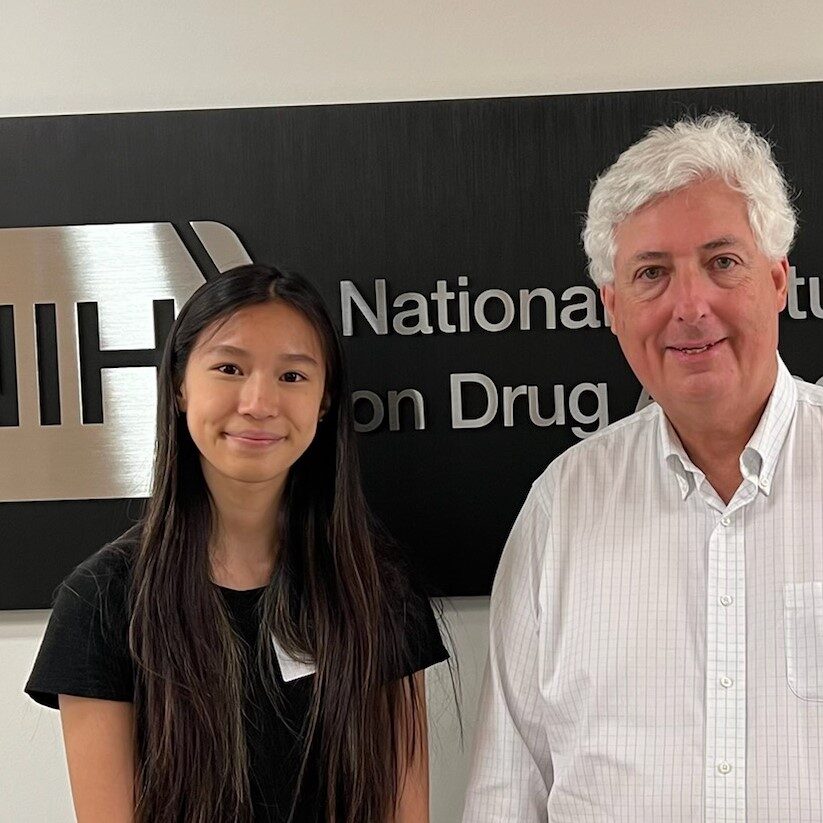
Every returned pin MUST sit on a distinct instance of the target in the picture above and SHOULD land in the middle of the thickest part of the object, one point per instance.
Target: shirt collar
(687, 474)
(758, 460)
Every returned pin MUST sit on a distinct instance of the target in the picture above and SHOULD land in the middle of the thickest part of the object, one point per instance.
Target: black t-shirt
(85, 653)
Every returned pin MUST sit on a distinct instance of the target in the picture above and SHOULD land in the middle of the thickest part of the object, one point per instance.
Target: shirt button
(726, 682)
(724, 767)
(726, 600)
(725, 520)
(764, 483)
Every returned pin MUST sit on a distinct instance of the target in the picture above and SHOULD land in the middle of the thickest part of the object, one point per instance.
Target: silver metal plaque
(122, 270)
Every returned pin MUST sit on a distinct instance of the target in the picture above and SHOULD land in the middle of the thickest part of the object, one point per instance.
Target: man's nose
(259, 397)
(691, 293)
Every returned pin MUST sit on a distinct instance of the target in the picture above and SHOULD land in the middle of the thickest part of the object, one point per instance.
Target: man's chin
(707, 387)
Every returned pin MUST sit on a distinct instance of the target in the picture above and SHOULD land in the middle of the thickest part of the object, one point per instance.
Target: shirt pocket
(803, 611)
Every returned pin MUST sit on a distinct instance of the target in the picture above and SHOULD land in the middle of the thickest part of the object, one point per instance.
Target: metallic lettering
(9, 409)
(93, 359)
(48, 374)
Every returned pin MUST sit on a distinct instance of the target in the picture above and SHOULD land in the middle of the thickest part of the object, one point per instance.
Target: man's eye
(651, 273)
(227, 368)
(292, 377)
(724, 263)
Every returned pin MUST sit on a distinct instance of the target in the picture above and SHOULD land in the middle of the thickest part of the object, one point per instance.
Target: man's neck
(714, 441)
(714, 432)
(715, 435)
(717, 455)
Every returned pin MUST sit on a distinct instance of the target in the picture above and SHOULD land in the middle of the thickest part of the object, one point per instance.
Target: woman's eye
(292, 377)
(228, 368)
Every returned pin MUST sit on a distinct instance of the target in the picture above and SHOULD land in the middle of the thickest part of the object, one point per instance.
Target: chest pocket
(803, 605)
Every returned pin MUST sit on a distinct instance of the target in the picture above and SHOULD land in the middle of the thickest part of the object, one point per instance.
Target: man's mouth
(697, 349)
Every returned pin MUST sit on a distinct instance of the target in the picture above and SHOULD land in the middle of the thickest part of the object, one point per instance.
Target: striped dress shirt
(656, 654)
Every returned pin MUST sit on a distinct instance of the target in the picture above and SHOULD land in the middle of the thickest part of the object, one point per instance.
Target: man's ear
(780, 278)
(607, 296)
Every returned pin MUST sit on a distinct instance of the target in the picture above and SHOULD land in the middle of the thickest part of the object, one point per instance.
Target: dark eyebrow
(300, 358)
(234, 351)
(222, 348)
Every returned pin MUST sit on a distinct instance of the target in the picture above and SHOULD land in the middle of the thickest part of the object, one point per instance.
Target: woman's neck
(244, 544)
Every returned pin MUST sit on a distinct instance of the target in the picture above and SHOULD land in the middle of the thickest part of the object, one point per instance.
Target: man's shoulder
(626, 440)
(622, 436)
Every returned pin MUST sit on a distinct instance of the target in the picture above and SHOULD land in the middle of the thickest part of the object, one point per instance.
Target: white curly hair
(671, 157)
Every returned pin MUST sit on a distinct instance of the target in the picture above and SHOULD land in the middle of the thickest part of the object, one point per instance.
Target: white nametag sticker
(290, 668)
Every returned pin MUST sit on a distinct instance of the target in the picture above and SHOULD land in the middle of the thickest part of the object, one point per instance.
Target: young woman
(252, 649)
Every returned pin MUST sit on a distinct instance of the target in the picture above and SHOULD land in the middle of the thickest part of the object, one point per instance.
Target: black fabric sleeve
(85, 648)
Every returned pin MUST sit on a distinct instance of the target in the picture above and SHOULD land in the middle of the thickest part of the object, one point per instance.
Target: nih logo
(84, 315)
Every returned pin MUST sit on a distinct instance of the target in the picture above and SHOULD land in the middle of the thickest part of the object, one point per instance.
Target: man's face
(694, 302)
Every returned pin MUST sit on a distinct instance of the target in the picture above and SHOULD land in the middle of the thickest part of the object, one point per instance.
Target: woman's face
(253, 392)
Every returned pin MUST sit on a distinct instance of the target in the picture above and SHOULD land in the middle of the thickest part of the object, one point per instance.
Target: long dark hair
(330, 599)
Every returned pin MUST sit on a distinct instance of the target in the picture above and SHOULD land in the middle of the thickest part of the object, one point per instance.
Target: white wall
(107, 55)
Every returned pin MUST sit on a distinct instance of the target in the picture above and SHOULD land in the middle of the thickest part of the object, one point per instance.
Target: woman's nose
(259, 397)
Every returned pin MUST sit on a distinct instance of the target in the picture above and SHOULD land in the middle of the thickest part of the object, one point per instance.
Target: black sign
(445, 238)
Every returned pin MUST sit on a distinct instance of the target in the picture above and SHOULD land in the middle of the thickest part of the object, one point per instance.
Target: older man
(657, 616)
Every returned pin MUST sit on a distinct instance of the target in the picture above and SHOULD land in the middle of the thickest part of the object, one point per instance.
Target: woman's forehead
(273, 326)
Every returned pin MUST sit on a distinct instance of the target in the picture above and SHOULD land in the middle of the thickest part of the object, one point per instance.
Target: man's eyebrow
(645, 256)
(717, 243)
(720, 242)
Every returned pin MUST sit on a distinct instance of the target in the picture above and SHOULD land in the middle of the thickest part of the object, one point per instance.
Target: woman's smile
(254, 439)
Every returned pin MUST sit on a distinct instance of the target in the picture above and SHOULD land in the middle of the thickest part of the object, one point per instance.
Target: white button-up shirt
(657, 655)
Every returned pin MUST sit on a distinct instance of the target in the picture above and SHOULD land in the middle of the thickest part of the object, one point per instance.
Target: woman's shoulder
(106, 574)
(85, 650)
